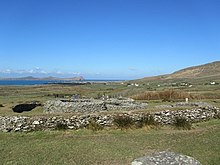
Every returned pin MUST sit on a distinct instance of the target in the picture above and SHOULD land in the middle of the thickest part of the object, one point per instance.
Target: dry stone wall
(23, 123)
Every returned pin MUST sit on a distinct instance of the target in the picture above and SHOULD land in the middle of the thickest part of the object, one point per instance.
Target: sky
(106, 39)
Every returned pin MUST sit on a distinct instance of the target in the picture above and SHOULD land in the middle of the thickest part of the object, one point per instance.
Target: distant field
(13, 95)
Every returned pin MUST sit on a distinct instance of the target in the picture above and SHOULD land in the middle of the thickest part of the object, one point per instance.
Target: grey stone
(36, 123)
(17, 129)
(5, 130)
(166, 158)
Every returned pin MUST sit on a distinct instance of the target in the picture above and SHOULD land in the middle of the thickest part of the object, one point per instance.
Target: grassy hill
(203, 80)
(201, 71)
(206, 70)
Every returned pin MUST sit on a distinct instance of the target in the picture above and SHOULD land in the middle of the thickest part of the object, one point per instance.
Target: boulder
(166, 158)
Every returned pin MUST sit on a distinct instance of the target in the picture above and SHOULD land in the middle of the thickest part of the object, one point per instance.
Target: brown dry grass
(166, 95)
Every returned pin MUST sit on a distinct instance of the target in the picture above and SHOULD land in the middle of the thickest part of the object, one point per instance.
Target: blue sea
(45, 82)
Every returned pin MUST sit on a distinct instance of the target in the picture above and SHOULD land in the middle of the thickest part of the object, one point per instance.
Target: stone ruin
(91, 105)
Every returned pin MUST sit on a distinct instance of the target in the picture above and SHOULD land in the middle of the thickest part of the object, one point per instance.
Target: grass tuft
(217, 115)
(61, 126)
(123, 122)
(182, 123)
(147, 120)
(94, 126)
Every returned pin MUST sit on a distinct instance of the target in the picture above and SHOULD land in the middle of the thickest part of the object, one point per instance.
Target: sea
(46, 82)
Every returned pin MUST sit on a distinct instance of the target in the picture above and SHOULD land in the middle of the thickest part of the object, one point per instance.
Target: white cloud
(43, 72)
(132, 69)
(59, 72)
(31, 71)
(36, 71)
(75, 73)
(37, 68)
(23, 71)
(6, 71)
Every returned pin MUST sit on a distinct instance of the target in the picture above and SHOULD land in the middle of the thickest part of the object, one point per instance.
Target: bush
(61, 126)
(123, 122)
(147, 120)
(94, 126)
(182, 123)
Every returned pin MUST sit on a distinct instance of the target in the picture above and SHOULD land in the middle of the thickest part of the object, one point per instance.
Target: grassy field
(109, 147)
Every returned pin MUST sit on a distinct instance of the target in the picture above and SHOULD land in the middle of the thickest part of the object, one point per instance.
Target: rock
(36, 123)
(71, 127)
(166, 158)
(17, 129)
(6, 130)
(26, 127)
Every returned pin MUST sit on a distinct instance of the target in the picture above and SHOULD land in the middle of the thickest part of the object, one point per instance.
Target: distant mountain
(45, 78)
(210, 70)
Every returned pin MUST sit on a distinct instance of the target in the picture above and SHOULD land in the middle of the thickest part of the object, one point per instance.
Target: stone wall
(22, 123)
(91, 105)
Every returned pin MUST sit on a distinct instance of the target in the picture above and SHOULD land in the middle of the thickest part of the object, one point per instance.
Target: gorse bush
(147, 120)
(123, 122)
(61, 126)
(94, 126)
(182, 123)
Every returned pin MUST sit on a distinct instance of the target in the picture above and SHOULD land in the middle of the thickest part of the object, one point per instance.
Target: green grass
(106, 147)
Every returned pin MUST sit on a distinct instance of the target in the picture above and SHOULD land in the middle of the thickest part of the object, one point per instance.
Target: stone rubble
(91, 105)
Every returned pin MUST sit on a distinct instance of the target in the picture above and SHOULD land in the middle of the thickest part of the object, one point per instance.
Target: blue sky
(106, 39)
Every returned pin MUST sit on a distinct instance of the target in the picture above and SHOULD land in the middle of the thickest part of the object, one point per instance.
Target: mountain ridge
(205, 70)
(194, 72)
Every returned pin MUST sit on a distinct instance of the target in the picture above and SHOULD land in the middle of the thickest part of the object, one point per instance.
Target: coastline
(51, 82)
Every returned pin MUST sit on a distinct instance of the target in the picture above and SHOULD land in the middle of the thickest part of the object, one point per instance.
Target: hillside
(206, 70)
(210, 70)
